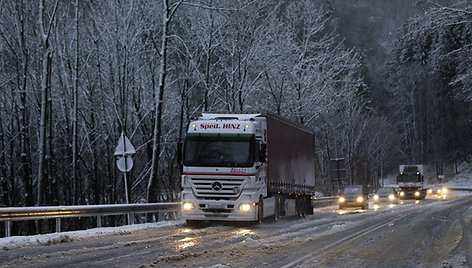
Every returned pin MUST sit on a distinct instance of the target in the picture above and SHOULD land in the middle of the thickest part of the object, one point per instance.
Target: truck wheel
(260, 211)
(277, 208)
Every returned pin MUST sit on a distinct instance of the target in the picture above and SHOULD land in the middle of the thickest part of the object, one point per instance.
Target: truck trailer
(411, 182)
(245, 167)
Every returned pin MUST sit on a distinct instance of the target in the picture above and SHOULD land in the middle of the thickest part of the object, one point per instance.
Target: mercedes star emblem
(216, 186)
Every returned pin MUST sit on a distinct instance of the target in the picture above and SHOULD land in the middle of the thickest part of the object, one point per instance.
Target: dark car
(386, 195)
(437, 192)
(354, 196)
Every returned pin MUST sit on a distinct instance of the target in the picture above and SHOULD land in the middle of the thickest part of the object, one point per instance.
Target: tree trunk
(153, 184)
(22, 81)
(45, 91)
(75, 153)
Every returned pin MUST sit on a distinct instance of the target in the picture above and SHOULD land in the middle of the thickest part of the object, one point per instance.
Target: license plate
(216, 206)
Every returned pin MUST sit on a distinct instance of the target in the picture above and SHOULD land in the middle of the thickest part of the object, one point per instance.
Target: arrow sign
(124, 146)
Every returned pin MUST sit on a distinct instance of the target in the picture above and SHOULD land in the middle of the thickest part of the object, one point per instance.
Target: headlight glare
(376, 197)
(360, 199)
(245, 207)
(342, 200)
(187, 206)
(391, 197)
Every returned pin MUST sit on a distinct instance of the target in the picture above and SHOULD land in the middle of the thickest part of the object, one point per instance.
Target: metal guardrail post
(58, 225)
(7, 228)
(99, 221)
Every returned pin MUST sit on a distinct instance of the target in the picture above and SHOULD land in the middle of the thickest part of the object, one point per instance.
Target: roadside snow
(461, 180)
(57, 238)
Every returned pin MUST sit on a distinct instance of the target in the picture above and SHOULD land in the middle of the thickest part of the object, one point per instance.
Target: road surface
(429, 233)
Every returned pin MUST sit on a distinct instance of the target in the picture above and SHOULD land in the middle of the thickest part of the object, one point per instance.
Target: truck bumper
(216, 210)
(242, 209)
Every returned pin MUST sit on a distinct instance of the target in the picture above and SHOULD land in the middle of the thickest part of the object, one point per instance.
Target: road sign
(125, 163)
(124, 146)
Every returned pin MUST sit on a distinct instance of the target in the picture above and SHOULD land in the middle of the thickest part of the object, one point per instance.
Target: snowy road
(413, 234)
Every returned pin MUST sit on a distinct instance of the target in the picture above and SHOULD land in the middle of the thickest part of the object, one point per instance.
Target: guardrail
(10, 214)
(460, 189)
(323, 201)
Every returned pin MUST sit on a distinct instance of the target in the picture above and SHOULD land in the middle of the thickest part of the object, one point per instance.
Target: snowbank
(57, 238)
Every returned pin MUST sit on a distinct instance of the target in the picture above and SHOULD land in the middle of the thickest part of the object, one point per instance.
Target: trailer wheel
(308, 205)
(300, 206)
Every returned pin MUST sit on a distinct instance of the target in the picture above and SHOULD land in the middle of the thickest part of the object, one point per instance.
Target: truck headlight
(376, 197)
(187, 206)
(360, 199)
(245, 207)
(342, 200)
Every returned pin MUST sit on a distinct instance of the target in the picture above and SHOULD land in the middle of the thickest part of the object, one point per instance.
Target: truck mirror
(179, 152)
(262, 153)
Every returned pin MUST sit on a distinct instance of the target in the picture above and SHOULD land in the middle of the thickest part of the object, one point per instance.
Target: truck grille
(219, 188)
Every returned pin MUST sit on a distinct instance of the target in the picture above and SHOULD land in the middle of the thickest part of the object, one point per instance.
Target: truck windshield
(219, 151)
(409, 178)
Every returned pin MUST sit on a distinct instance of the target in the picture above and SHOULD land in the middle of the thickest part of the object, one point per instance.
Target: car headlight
(430, 191)
(245, 207)
(402, 193)
(360, 199)
(342, 200)
(376, 197)
(187, 206)
(391, 197)
(417, 193)
(444, 190)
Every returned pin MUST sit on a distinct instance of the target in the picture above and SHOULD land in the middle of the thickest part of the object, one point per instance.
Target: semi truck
(411, 182)
(246, 167)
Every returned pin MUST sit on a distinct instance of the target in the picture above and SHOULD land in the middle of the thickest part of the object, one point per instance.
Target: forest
(75, 75)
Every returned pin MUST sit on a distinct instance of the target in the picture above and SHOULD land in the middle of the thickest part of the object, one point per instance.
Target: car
(388, 195)
(438, 192)
(354, 196)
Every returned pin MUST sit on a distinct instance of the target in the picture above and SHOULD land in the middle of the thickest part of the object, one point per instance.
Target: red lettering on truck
(209, 126)
(232, 126)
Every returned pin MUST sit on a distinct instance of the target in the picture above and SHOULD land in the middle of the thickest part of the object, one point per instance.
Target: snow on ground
(461, 180)
(57, 238)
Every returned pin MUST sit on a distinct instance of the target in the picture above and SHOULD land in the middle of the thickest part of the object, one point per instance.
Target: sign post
(124, 150)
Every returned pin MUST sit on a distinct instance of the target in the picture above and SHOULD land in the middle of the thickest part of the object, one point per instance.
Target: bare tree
(153, 185)
(45, 33)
